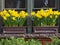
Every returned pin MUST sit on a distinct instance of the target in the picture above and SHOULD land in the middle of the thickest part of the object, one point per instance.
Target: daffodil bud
(50, 16)
(56, 16)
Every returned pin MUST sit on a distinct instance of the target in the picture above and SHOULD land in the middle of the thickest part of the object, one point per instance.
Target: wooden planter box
(45, 31)
(14, 30)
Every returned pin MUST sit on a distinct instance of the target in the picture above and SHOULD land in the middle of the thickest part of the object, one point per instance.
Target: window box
(46, 31)
(14, 30)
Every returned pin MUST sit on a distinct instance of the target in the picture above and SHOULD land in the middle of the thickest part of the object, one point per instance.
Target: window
(44, 4)
(15, 4)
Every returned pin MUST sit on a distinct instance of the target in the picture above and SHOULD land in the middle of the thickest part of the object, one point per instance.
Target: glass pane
(44, 3)
(15, 3)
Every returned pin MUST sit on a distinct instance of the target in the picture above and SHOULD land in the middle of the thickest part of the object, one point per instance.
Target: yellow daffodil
(5, 18)
(7, 15)
(47, 11)
(50, 11)
(56, 13)
(23, 14)
(41, 10)
(26, 14)
(1, 13)
(10, 11)
(38, 16)
(4, 10)
(32, 13)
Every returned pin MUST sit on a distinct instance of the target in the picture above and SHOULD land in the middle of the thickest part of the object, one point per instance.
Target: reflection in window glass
(15, 3)
(44, 3)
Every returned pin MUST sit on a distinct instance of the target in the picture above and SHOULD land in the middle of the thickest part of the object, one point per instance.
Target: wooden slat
(14, 32)
(13, 28)
(14, 35)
